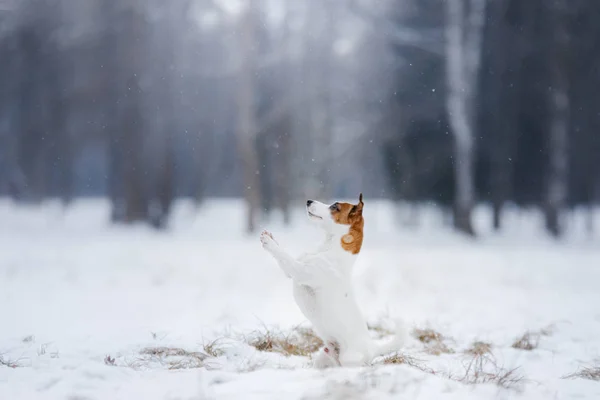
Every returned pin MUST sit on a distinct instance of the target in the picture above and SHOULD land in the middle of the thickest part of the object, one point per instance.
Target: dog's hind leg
(325, 359)
(350, 358)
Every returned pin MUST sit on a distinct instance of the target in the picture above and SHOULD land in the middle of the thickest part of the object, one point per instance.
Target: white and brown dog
(323, 285)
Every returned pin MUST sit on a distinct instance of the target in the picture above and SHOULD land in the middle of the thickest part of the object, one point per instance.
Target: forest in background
(453, 102)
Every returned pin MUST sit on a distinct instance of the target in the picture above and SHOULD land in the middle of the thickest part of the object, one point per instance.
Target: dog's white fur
(322, 285)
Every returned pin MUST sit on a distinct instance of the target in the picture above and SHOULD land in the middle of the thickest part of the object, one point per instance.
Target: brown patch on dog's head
(350, 214)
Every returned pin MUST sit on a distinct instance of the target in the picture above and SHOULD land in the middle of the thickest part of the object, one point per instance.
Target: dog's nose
(309, 202)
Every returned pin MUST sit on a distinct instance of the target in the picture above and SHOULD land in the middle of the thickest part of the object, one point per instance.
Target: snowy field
(90, 311)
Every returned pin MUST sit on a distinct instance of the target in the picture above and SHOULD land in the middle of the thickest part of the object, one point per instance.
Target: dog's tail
(394, 343)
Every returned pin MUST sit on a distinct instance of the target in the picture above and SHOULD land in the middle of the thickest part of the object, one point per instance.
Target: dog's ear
(357, 209)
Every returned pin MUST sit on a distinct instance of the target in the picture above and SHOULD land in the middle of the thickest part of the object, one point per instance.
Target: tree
(508, 37)
(464, 27)
(319, 76)
(559, 104)
(247, 124)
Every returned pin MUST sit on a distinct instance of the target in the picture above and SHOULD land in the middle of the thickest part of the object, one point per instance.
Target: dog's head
(343, 218)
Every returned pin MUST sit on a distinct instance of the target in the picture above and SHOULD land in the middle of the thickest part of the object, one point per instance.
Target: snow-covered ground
(77, 295)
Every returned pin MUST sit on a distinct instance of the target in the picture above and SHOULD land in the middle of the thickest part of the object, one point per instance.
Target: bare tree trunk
(131, 118)
(502, 164)
(280, 168)
(136, 199)
(321, 18)
(164, 185)
(559, 123)
(32, 148)
(502, 125)
(163, 125)
(111, 53)
(283, 128)
(58, 116)
(283, 172)
(11, 177)
(464, 27)
(300, 162)
(64, 149)
(247, 125)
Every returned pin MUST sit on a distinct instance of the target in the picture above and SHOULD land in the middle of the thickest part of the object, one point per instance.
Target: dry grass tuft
(299, 342)
(186, 363)
(591, 373)
(481, 367)
(163, 351)
(108, 360)
(172, 357)
(438, 348)
(529, 341)
(213, 349)
(405, 359)
(427, 335)
(311, 342)
(507, 379)
(8, 363)
(28, 339)
(434, 341)
(479, 349)
(379, 330)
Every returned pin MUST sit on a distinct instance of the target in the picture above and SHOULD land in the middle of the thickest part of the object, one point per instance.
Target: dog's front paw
(266, 238)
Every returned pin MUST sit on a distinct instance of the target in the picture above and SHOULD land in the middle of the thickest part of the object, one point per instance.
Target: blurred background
(447, 103)
(143, 143)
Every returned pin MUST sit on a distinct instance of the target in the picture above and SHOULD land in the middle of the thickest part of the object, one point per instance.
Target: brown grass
(169, 357)
(481, 367)
(591, 373)
(299, 342)
(187, 363)
(213, 349)
(438, 348)
(507, 379)
(379, 330)
(108, 360)
(172, 357)
(8, 363)
(427, 335)
(312, 342)
(529, 341)
(434, 341)
(479, 349)
(405, 359)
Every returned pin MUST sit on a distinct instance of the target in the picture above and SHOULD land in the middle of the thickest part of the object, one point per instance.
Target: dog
(322, 286)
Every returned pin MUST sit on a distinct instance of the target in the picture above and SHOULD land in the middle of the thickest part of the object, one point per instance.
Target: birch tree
(464, 28)
(559, 119)
(320, 113)
(247, 124)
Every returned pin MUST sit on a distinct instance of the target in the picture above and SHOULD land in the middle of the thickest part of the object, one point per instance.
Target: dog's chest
(307, 299)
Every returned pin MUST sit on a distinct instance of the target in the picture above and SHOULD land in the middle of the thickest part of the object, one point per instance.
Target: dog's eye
(335, 207)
